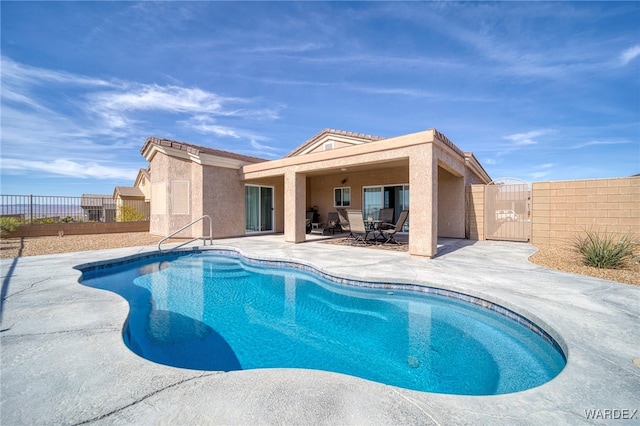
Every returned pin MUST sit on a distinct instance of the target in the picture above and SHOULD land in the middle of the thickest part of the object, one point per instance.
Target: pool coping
(80, 372)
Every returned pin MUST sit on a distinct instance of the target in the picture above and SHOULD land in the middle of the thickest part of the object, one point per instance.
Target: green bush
(8, 224)
(45, 220)
(129, 214)
(605, 250)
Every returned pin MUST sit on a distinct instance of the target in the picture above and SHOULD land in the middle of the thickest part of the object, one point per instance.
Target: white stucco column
(295, 198)
(423, 202)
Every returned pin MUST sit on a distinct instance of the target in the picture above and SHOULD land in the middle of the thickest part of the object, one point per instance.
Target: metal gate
(507, 210)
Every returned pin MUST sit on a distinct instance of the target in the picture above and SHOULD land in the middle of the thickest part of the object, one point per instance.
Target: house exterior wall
(145, 187)
(320, 188)
(222, 195)
(561, 210)
(451, 205)
(475, 212)
(167, 170)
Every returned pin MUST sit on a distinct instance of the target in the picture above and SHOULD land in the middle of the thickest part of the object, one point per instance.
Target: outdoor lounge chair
(343, 220)
(388, 234)
(356, 223)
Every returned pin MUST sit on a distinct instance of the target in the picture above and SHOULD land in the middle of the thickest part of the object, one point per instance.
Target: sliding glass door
(375, 198)
(258, 210)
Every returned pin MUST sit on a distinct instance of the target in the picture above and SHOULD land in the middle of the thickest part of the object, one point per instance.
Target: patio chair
(343, 220)
(333, 223)
(389, 234)
(386, 217)
(308, 221)
(356, 224)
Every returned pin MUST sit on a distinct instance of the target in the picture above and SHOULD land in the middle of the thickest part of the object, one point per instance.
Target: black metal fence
(28, 209)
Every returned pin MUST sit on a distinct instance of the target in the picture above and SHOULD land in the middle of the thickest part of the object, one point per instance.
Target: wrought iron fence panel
(31, 209)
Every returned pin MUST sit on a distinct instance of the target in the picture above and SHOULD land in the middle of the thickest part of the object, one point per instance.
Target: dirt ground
(561, 259)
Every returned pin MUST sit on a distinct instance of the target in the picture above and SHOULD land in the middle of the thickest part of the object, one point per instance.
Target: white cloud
(522, 139)
(544, 170)
(22, 74)
(630, 54)
(598, 142)
(47, 130)
(63, 167)
(207, 125)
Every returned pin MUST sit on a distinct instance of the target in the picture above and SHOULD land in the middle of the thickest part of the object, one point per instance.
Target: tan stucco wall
(475, 212)
(451, 205)
(223, 200)
(320, 188)
(561, 210)
(167, 169)
(145, 186)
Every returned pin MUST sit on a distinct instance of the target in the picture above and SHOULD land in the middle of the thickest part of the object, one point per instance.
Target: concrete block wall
(84, 228)
(561, 210)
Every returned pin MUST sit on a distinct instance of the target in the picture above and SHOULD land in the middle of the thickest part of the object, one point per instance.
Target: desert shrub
(45, 220)
(129, 214)
(603, 249)
(8, 224)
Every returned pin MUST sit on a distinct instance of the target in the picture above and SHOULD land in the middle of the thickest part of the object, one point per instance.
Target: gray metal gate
(507, 210)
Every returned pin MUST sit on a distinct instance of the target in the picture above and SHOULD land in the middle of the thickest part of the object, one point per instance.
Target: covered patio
(426, 164)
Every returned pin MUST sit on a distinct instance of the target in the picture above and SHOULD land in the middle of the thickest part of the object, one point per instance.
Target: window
(342, 197)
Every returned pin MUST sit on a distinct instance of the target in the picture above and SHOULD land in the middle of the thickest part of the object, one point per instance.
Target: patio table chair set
(381, 231)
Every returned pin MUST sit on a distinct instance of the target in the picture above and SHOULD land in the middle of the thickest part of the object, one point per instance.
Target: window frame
(342, 198)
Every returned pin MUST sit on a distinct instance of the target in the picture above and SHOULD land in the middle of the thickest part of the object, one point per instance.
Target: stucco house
(136, 197)
(98, 208)
(423, 172)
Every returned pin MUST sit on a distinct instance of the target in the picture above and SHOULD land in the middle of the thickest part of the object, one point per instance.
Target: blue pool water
(211, 311)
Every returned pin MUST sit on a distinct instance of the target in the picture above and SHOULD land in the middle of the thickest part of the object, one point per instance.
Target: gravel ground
(559, 258)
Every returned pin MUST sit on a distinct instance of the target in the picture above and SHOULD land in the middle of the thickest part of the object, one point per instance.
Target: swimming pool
(217, 310)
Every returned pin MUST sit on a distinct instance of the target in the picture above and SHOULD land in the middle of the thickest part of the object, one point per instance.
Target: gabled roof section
(193, 151)
(142, 173)
(127, 191)
(338, 137)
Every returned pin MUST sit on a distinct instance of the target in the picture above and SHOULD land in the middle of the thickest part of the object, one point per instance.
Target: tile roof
(96, 200)
(129, 191)
(361, 136)
(197, 149)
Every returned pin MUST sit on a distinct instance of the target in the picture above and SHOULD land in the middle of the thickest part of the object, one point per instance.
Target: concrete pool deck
(64, 360)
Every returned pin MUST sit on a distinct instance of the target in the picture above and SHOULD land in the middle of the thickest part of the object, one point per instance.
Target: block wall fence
(54, 229)
(561, 210)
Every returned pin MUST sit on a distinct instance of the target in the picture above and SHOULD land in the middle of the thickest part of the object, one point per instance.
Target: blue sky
(536, 90)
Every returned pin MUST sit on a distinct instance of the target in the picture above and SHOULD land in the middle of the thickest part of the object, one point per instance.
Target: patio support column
(423, 202)
(295, 198)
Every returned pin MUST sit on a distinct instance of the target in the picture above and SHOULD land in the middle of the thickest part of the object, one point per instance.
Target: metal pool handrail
(204, 238)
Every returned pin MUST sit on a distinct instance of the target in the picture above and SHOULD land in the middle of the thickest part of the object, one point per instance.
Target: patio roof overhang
(390, 152)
